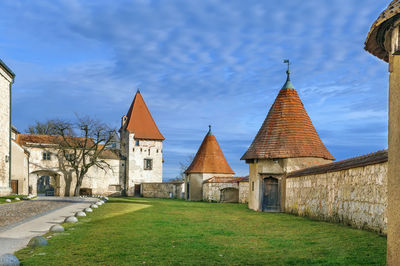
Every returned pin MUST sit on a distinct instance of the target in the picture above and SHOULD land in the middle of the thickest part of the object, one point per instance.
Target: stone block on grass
(94, 206)
(71, 219)
(80, 214)
(88, 210)
(17, 199)
(38, 241)
(8, 200)
(9, 260)
(57, 228)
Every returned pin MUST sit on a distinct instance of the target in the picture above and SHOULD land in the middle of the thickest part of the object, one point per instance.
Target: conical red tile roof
(140, 122)
(287, 132)
(209, 158)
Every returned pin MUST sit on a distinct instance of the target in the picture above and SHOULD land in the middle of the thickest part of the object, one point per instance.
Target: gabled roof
(360, 161)
(41, 141)
(209, 158)
(287, 132)
(227, 179)
(140, 122)
(376, 35)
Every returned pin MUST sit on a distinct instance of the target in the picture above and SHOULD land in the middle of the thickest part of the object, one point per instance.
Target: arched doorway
(229, 195)
(271, 195)
(45, 183)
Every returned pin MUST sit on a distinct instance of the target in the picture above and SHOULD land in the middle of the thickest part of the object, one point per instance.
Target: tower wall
(195, 181)
(136, 154)
(260, 169)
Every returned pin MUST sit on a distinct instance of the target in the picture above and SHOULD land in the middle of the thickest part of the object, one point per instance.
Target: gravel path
(16, 212)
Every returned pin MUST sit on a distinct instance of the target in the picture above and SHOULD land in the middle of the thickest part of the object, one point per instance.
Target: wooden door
(14, 186)
(137, 190)
(271, 199)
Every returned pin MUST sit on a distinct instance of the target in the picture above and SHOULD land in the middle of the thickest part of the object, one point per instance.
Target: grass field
(128, 231)
(11, 197)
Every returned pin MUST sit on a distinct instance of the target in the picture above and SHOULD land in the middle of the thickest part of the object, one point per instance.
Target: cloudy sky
(199, 62)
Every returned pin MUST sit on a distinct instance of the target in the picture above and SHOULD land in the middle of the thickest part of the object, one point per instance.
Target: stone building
(287, 141)
(48, 175)
(209, 162)
(6, 79)
(19, 166)
(142, 146)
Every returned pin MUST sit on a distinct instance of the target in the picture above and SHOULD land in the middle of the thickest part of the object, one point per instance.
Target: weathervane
(286, 61)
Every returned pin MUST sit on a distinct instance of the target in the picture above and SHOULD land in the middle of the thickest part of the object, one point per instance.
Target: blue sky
(199, 62)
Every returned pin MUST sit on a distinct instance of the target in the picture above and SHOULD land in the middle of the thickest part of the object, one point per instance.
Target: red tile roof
(227, 179)
(42, 140)
(287, 132)
(209, 158)
(140, 122)
(373, 158)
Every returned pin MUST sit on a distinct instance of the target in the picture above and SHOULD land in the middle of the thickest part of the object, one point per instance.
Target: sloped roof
(140, 122)
(42, 140)
(372, 158)
(287, 132)
(34, 140)
(376, 36)
(227, 179)
(209, 158)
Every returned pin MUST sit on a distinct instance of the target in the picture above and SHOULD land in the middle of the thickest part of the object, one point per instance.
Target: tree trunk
(78, 186)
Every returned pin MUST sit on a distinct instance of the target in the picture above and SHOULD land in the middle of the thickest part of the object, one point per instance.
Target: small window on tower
(149, 152)
(137, 142)
(252, 186)
(148, 164)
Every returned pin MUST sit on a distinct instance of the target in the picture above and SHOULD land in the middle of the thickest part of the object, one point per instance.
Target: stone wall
(20, 167)
(356, 196)
(163, 190)
(243, 192)
(212, 191)
(5, 116)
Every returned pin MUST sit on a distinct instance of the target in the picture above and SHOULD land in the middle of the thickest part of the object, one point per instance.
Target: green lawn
(11, 197)
(128, 231)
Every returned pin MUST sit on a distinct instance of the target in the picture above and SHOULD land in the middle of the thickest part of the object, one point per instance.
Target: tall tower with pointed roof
(141, 145)
(286, 141)
(208, 162)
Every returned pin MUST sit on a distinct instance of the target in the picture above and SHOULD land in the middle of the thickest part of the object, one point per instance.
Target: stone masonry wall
(356, 196)
(163, 190)
(5, 81)
(212, 191)
(243, 192)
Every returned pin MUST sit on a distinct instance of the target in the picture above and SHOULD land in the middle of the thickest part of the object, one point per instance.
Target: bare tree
(79, 146)
(183, 165)
(45, 128)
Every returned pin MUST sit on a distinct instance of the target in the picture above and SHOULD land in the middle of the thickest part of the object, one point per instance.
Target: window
(69, 156)
(148, 164)
(252, 186)
(137, 143)
(46, 156)
(149, 151)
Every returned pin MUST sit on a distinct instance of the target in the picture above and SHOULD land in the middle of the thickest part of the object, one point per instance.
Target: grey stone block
(88, 210)
(80, 214)
(71, 219)
(57, 228)
(94, 206)
(38, 241)
(8, 200)
(9, 260)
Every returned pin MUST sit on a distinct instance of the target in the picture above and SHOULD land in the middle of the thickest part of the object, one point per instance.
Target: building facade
(6, 79)
(287, 141)
(142, 146)
(209, 162)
